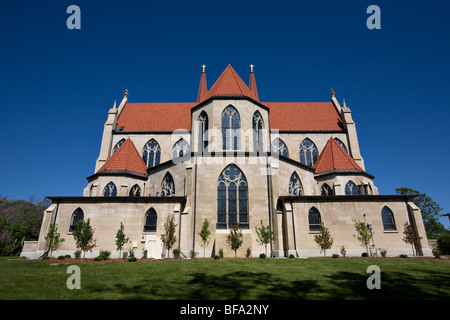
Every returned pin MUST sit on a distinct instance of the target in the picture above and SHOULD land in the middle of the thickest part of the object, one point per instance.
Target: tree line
(20, 220)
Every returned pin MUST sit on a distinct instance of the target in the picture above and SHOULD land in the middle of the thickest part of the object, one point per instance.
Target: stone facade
(195, 198)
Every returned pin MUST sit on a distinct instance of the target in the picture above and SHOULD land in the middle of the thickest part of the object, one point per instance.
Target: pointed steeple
(230, 84)
(203, 88)
(333, 157)
(126, 159)
(252, 82)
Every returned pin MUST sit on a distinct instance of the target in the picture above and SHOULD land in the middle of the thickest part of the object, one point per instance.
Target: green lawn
(242, 279)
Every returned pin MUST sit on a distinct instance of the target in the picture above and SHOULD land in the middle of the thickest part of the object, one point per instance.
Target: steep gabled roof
(333, 157)
(230, 84)
(126, 159)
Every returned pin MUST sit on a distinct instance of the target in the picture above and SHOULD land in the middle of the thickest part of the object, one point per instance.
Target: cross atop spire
(251, 67)
(203, 66)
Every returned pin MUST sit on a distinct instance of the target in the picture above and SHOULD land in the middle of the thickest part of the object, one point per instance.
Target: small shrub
(176, 253)
(45, 257)
(383, 252)
(216, 257)
(132, 259)
(61, 257)
(364, 255)
(144, 254)
(193, 254)
(98, 258)
(248, 253)
(104, 254)
(343, 251)
(335, 255)
(68, 256)
(403, 256)
(77, 254)
(291, 256)
(221, 253)
(437, 253)
(262, 256)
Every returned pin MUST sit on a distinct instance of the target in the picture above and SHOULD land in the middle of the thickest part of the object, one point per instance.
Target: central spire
(229, 84)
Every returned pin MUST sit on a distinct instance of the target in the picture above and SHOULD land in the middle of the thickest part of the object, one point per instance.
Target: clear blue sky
(57, 84)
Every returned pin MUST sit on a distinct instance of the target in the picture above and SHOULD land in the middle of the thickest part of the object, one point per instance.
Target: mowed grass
(228, 279)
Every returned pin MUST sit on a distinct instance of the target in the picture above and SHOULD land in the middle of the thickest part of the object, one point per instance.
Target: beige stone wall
(338, 217)
(206, 204)
(105, 218)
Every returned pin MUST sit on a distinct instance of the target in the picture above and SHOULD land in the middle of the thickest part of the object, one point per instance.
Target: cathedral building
(233, 160)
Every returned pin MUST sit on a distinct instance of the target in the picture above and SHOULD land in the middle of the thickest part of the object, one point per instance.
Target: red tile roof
(230, 84)
(156, 116)
(333, 157)
(304, 116)
(285, 116)
(125, 158)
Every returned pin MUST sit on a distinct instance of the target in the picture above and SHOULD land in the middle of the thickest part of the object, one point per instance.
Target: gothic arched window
(326, 190)
(203, 118)
(151, 219)
(151, 153)
(180, 148)
(339, 142)
(388, 219)
(77, 216)
(231, 129)
(295, 186)
(110, 190)
(314, 219)
(118, 145)
(135, 191)
(232, 199)
(258, 126)
(168, 186)
(308, 152)
(279, 147)
(351, 189)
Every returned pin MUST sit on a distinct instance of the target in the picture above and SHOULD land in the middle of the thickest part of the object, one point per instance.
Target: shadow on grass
(244, 285)
(394, 286)
(247, 285)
